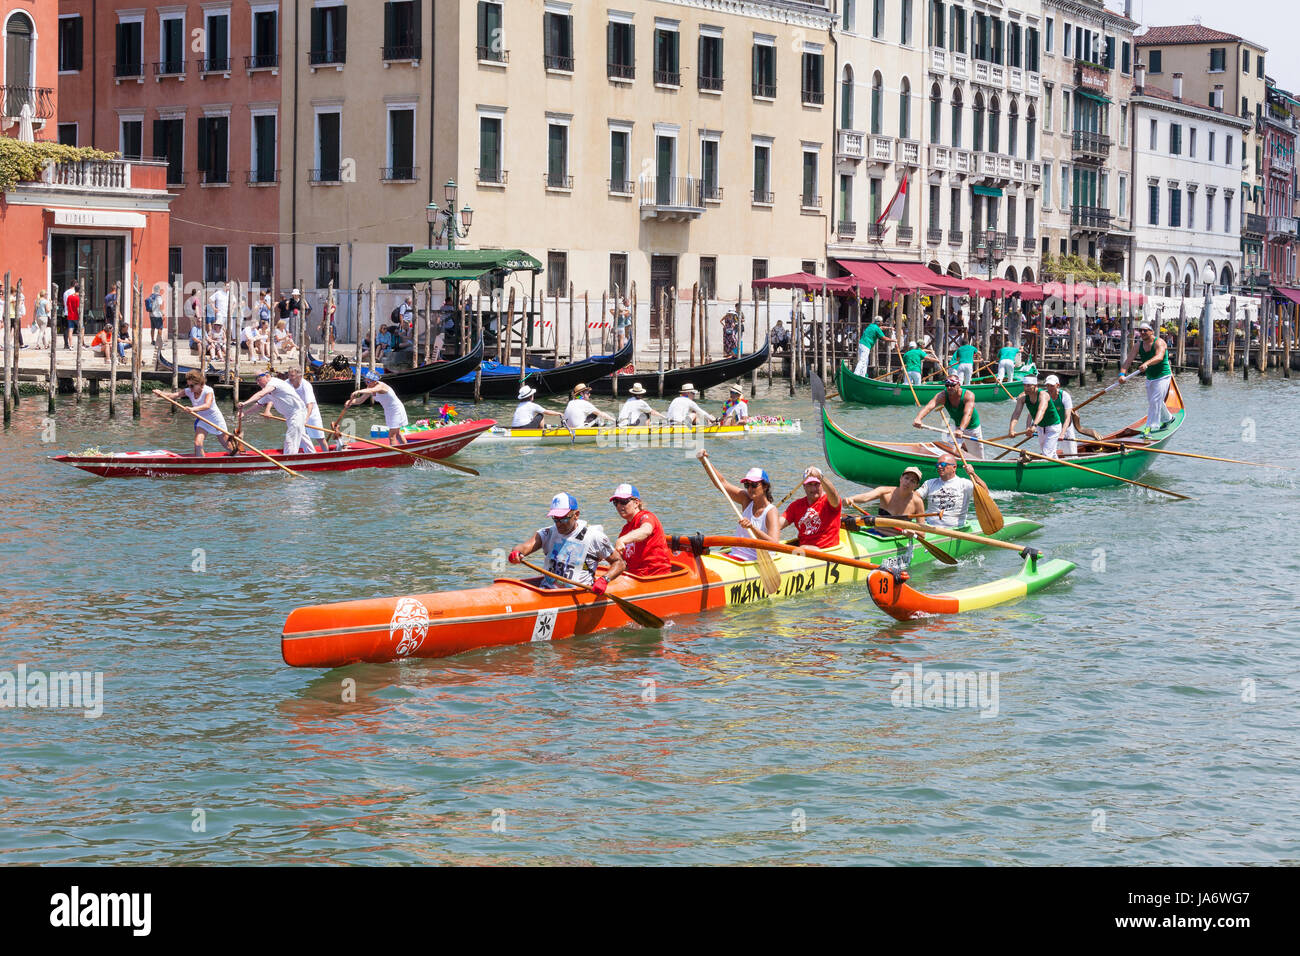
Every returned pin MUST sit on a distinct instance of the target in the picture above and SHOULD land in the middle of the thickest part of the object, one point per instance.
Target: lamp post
(442, 221)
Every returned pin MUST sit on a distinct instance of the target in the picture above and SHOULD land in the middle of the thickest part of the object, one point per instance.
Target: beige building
(1227, 72)
(1087, 194)
(948, 94)
(663, 143)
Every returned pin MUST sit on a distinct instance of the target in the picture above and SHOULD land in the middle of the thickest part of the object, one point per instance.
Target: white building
(1187, 189)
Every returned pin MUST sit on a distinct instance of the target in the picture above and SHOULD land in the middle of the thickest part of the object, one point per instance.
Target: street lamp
(443, 220)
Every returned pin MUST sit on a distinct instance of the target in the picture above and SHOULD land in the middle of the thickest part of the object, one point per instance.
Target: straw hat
(636, 389)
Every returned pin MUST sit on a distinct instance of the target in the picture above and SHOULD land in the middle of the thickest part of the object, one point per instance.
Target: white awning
(99, 217)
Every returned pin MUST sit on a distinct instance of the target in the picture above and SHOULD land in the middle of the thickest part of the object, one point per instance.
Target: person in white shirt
(636, 410)
(736, 410)
(528, 414)
(220, 302)
(315, 427)
(383, 396)
(248, 341)
(948, 494)
(203, 401)
(580, 413)
(573, 548)
(683, 410)
(287, 402)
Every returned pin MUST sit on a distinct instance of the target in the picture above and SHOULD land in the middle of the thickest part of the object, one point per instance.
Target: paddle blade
(937, 553)
(818, 390)
(767, 571)
(638, 614)
(986, 509)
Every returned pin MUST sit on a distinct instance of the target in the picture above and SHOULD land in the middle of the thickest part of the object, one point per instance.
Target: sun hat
(755, 474)
(295, 292)
(525, 392)
(637, 389)
(688, 387)
(624, 491)
(913, 470)
(561, 505)
(1051, 380)
(736, 389)
(580, 388)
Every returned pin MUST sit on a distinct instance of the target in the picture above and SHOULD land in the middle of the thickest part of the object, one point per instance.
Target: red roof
(1185, 33)
(805, 281)
(871, 277)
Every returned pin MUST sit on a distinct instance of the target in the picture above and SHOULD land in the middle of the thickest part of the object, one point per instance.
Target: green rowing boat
(874, 391)
(880, 463)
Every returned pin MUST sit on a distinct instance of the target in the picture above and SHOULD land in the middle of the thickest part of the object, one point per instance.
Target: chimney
(1139, 77)
(1128, 9)
(1216, 98)
(1178, 87)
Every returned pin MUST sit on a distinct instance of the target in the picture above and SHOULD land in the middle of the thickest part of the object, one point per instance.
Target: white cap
(1145, 327)
(295, 292)
(912, 344)
(1051, 380)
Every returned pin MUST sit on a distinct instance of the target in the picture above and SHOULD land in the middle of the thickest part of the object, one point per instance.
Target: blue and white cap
(625, 491)
(755, 474)
(561, 505)
(371, 375)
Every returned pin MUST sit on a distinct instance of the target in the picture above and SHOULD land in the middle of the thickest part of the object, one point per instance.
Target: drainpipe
(433, 104)
(293, 227)
(835, 138)
(1139, 73)
(94, 59)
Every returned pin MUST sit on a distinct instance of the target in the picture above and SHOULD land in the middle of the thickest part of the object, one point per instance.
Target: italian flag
(894, 210)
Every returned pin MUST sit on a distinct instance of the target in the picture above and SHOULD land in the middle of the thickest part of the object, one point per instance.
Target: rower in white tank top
(749, 554)
(394, 411)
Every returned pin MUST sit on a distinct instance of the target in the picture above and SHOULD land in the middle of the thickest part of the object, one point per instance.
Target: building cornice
(1085, 11)
(1187, 109)
(776, 11)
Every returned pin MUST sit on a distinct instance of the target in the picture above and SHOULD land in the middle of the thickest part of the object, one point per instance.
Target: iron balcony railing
(496, 177)
(216, 177)
(668, 77)
(1094, 218)
(711, 192)
(620, 71)
(556, 62)
(710, 82)
(401, 174)
(765, 89)
(810, 202)
(813, 97)
(325, 174)
(1255, 224)
(933, 235)
(674, 192)
(263, 177)
(401, 51)
(905, 234)
(1091, 146)
(846, 227)
(955, 237)
(215, 64)
(39, 98)
(761, 196)
(332, 56)
(492, 54)
(876, 232)
(128, 69)
(558, 181)
(262, 61)
(169, 68)
(622, 187)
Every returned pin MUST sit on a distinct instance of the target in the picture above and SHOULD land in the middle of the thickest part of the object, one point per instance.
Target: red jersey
(74, 308)
(650, 556)
(818, 523)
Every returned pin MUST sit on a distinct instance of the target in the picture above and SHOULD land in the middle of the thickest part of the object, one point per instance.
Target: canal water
(1142, 712)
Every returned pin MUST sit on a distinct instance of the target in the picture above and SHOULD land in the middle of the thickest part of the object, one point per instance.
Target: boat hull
(501, 383)
(899, 600)
(408, 383)
(438, 444)
(703, 377)
(875, 463)
(516, 611)
(632, 435)
(861, 390)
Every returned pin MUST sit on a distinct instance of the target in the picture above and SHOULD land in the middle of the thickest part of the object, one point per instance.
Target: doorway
(95, 263)
(663, 277)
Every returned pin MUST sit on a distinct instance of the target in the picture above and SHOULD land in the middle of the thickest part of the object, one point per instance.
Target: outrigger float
(651, 435)
(519, 611)
(892, 594)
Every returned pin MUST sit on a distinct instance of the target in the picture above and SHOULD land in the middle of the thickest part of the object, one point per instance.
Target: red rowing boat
(432, 444)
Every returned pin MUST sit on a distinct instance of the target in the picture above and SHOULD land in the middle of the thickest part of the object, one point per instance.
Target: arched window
(1027, 275)
(1149, 283)
(956, 118)
(1187, 287)
(846, 99)
(905, 110)
(19, 34)
(1169, 284)
(995, 114)
(977, 135)
(1225, 279)
(936, 114)
(1013, 128)
(1011, 273)
(1031, 129)
(877, 103)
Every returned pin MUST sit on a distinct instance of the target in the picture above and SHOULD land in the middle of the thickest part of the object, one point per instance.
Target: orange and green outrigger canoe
(877, 463)
(520, 611)
(892, 594)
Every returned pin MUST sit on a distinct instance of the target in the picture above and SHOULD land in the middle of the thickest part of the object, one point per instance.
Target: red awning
(1092, 296)
(924, 276)
(805, 281)
(1291, 295)
(872, 278)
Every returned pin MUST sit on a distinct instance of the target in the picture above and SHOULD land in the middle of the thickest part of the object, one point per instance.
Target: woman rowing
(641, 542)
(383, 396)
(760, 514)
(204, 402)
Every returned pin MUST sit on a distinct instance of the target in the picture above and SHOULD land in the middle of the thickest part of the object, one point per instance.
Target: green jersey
(1054, 414)
(965, 355)
(914, 360)
(872, 334)
(1159, 369)
(955, 411)
(1010, 352)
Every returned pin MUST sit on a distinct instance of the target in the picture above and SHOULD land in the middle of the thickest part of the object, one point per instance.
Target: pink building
(29, 48)
(198, 86)
(1279, 129)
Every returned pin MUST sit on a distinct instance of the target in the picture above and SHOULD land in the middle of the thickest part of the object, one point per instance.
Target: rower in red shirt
(641, 542)
(817, 514)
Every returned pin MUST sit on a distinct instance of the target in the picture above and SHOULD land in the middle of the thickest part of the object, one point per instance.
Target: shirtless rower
(901, 501)
(383, 396)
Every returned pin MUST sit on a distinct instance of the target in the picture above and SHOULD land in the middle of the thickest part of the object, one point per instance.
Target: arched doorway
(1225, 279)
(954, 270)
(20, 42)
(1027, 275)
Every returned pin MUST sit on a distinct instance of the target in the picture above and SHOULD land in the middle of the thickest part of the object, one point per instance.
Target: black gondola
(501, 382)
(408, 383)
(701, 376)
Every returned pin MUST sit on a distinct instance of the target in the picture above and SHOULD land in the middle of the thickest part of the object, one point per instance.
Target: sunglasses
(946, 464)
(569, 517)
(752, 484)
(620, 502)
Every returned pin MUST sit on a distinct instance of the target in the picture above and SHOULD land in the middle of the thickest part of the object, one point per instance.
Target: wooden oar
(390, 446)
(946, 532)
(939, 555)
(789, 495)
(246, 444)
(638, 614)
(780, 547)
(986, 510)
(766, 566)
(906, 377)
(1180, 454)
(1062, 461)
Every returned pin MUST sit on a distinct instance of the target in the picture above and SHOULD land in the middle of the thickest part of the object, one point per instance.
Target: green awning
(987, 191)
(1096, 97)
(451, 265)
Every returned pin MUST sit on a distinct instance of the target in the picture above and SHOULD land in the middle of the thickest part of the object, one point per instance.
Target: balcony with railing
(881, 149)
(949, 62)
(671, 198)
(955, 237)
(905, 234)
(1029, 244)
(846, 229)
(263, 177)
(934, 235)
(555, 61)
(876, 231)
(131, 70)
(214, 64)
(812, 97)
(491, 177)
(334, 56)
(399, 174)
(810, 201)
(765, 90)
(712, 84)
(1090, 147)
(1255, 225)
(762, 197)
(668, 77)
(325, 175)
(985, 243)
(1090, 218)
(620, 187)
(262, 61)
(93, 174)
(1281, 227)
(399, 52)
(169, 68)
(710, 192)
(561, 181)
(1281, 166)
(39, 98)
(850, 144)
(909, 152)
(620, 71)
(491, 54)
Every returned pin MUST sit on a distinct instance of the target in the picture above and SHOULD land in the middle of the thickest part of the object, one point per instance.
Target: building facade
(1279, 134)
(1186, 164)
(1227, 72)
(947, 95)
(1087, 80)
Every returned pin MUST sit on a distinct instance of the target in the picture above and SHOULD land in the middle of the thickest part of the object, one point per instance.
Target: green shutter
(317, 29)
(203, 144)
(343, 32)
(390, 25)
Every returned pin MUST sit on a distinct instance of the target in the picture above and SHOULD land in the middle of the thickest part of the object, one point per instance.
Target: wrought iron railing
(710, 82)
(401, 51)
(620, 71)
(39, 98)
(332, 56)
(262, 61)
(556, 62)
